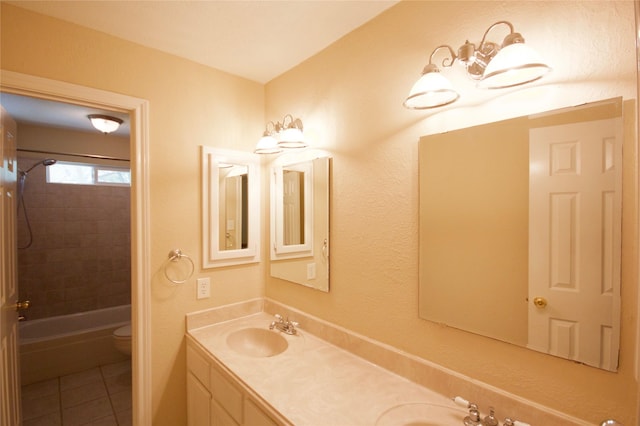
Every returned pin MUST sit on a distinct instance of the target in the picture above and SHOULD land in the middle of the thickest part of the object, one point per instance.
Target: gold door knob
(540, 302)
(23, 305)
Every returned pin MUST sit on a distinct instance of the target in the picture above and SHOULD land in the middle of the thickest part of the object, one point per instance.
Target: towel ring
(174, 256)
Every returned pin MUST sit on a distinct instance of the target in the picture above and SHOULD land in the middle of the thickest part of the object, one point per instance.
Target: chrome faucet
(286, 326)
(474, 419)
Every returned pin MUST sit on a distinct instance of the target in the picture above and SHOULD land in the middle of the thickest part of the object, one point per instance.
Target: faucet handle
(490, 420)
(294, 323)
(461, 402)
(278, 317)
(511, 422)
(473, 419)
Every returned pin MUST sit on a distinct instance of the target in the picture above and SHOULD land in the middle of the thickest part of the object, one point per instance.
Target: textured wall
(350, 95)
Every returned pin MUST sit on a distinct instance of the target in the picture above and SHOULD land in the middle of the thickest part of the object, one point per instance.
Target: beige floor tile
(121, 401)
(38, 407)
(79, 379)
(116, 368)
(110, 420)
(125, 418)
(84, 393)
(97, 397)
(40, 389)
(54, 419)
(86, 413)
(118, 383)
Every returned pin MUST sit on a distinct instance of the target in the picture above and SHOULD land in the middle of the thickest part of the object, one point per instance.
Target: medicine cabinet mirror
(300, 222)
(230, 207)
(521, 229)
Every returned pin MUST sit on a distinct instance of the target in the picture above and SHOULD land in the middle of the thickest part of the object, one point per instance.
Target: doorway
(137, 109)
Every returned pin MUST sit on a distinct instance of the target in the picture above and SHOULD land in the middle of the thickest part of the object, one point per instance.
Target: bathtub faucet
(283, 325)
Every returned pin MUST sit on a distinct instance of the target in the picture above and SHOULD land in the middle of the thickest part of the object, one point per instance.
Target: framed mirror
(300, 222)
(230, 208)
(521, 230)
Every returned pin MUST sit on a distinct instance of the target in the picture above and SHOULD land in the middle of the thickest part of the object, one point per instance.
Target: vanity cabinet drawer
(254, 416)
(226, 394)
(198, 403)
(220, 416)
(198, 365)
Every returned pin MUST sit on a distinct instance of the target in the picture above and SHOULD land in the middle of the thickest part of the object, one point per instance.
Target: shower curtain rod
(94, 156)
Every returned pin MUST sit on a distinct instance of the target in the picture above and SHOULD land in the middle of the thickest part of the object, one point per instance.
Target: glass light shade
(105, 123)
(430, 91)
(267, 145)
(292, 137)
(515, 64)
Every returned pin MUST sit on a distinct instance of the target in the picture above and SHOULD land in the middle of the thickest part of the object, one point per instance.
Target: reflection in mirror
(234, 201)
(293, 196)
(300, 222)
(293, 199)
(520, 230)
(230, 207)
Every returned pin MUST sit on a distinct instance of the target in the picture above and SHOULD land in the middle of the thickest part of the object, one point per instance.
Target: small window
(88, 174)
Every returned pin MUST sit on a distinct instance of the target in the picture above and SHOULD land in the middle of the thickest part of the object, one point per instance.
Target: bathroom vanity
(310, 382)
(241, 372)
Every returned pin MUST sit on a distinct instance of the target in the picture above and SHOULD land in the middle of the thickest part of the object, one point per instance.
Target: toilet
(122, 339)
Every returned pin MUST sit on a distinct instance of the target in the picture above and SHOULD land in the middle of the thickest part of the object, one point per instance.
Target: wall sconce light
(282, 135)
(104, 123)
(494, 67)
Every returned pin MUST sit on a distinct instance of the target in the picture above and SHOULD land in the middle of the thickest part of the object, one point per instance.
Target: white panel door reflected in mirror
(300, 222)
(514, 245)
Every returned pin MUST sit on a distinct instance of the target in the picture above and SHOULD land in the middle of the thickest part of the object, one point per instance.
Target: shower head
(46, 162)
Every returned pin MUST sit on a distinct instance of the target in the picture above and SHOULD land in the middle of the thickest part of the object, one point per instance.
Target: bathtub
(66, 344)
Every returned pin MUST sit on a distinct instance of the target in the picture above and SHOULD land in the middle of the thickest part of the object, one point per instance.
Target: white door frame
(138, 109)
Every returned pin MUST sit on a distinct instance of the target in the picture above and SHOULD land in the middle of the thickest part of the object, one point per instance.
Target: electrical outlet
(203, 290)
(311, 271)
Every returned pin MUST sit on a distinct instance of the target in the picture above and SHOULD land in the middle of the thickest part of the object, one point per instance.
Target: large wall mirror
(521, 229)
(230, 208)
(300, 222)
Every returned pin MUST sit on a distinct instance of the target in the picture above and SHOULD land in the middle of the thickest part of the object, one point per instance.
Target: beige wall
(349, 97)
(351, 94)
(190, 105)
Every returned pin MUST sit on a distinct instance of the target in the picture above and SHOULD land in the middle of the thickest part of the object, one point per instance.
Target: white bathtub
(66, 344)
(52, 328)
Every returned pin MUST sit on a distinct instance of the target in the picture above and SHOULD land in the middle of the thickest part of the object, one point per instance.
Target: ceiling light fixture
(105, 123)
(494, 67)
(282, 135)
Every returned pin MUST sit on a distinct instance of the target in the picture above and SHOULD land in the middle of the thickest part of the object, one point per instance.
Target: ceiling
(42, 112)
(257, 40)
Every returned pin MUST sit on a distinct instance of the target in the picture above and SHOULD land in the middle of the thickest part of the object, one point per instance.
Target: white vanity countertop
(314, 382)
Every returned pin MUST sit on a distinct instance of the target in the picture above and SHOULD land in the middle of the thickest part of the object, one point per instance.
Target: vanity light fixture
(105, 123)
(282, 135)
(494, 66)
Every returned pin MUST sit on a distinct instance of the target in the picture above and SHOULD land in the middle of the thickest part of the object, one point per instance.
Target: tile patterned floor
(100, 397)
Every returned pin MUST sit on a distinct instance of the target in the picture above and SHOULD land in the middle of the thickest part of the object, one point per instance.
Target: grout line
(113, 409)
(60, 409)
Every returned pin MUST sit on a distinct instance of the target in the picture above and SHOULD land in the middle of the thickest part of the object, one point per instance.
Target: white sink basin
(257, 342)
(422, 414)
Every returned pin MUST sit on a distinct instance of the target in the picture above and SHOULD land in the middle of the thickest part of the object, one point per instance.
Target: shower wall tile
(80, 258)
